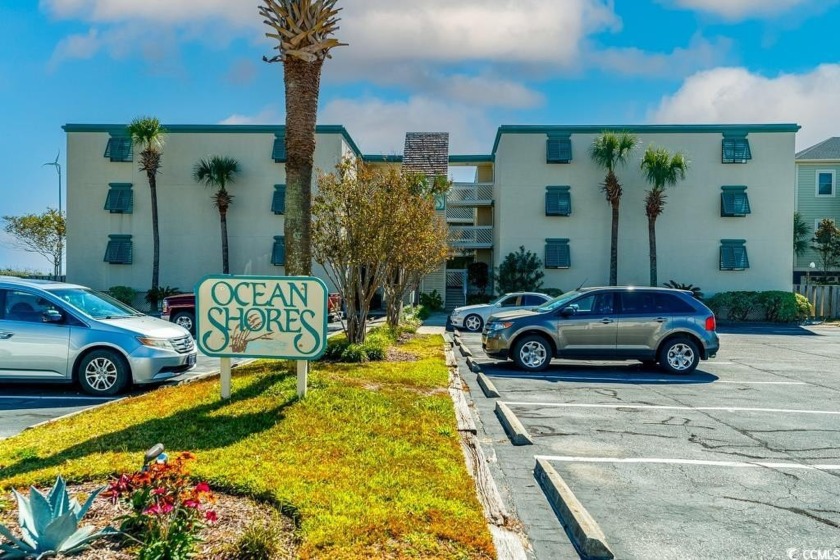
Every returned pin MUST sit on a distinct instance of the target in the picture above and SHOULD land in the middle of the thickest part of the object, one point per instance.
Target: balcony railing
(470, 194)
(460, 214)
(476, 237)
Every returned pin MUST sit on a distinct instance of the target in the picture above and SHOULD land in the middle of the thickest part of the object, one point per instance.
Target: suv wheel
(473, 323)
(185, 319)
(532, 353)
(103, 372)
(679, 355)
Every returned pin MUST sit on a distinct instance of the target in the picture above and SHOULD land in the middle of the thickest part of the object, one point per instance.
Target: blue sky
(464, 67)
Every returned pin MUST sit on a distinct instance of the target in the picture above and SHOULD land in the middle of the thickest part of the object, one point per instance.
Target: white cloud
(379, 126)
(76, 47)
(269, 115)
(736, 10)
(699, 54)
(153, 11)
(735, 95)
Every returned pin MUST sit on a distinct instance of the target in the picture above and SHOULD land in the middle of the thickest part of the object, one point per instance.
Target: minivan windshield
(558, 302)
(95, 305)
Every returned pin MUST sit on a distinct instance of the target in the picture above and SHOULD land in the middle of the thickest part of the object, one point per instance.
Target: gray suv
(617, 323)
(56, 332)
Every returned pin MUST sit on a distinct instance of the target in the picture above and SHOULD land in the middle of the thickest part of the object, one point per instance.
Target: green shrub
(775, 306)
(260, 541)
(520, 271)
(410, 320)
(432, 301)
(372, 349)
(695, 290)
(474, 299)
(124, 294)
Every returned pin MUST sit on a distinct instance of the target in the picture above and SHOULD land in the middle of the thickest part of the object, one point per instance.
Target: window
(278, 202)
(120, 250)
(733, 255)
(278, 252)
(558, 148)
(278, 153)
(637, 303)
(736, 149)
(120, 198)
(119, 148)
(558, 201)
(532, 301)
(734, 202)
(825, 182)
(557, 254)
(595, 304)
(669, 303)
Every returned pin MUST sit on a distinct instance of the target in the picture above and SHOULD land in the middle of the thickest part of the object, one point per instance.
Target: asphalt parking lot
(741, 459)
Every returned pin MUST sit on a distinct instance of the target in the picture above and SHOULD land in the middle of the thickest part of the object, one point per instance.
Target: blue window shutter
(278, 201)
(734, 202)
(558, 201)
(557, 253)
(735, 149)
(558, 149)
(120, 250)
(278, 252)
(120, 198)
(278, 153)
(119, 148)
(733, 254)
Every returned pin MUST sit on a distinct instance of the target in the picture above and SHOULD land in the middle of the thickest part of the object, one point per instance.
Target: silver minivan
(58, 332)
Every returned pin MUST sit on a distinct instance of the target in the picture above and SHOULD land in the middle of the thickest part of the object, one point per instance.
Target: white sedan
(473, 317)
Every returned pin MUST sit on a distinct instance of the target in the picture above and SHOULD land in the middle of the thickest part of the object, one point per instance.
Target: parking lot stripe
(630, 379)
(663, 407)
(54, 398)
(699, 462)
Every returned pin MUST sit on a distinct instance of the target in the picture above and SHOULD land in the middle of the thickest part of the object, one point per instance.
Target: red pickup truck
(180, 309)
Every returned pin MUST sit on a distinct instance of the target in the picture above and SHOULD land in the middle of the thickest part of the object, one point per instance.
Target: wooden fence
(825, 300)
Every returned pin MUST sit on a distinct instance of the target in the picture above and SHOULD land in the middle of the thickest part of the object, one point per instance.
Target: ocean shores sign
(261, 317)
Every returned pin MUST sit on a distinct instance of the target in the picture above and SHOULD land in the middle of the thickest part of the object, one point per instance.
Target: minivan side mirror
(568, 311)
(52, 316)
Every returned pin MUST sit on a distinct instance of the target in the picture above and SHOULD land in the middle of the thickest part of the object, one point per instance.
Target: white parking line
(54, 398)
(659, 407)
(736, 464)
(628, 379)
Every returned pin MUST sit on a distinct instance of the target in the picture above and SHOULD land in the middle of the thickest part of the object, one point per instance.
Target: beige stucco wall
(688, 232)
(190, 234)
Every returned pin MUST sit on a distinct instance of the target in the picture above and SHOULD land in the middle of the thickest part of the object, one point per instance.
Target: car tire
(185, 319)
(103, 373)
(532, 353)
(679, 356)
(473, 323)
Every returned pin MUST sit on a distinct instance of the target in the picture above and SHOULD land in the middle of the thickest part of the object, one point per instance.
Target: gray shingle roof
(427, 153)
(827, 149)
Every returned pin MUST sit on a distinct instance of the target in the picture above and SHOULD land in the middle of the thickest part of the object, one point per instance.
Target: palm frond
(661, 169)
(611, 149)
(303, 29)
(147, 133)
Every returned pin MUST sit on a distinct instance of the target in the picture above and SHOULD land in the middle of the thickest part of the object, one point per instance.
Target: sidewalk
(436, 323)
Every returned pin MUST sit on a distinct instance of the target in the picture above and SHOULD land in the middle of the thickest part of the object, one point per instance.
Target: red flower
(152, 510)
(167, 508)
(211, 516)
(191, 504)
(158, 491)
(202, 487)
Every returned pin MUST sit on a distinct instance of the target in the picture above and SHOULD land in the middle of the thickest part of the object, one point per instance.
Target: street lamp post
(58, 262)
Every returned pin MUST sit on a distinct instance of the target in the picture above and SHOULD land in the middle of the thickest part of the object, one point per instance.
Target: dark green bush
(474, 299)
(124, 294)
(775, 306)
(432, 301)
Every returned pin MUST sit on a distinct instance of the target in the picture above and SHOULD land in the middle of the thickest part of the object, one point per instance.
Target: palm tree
(303, 30)
(800, 234)
(147, 135)
(661, 170)
(217, 172)
(608, 151)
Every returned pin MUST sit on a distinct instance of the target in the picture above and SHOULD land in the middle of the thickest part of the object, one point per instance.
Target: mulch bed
(235, 515)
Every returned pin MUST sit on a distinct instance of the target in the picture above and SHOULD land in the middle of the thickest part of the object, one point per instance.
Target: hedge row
(774, 306)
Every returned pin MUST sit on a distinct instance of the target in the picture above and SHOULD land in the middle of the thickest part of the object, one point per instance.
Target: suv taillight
(710, 323)
(165, 308)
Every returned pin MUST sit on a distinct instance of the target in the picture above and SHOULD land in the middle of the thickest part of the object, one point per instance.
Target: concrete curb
(584, 531)
(71, 414)
(465, 351)
(514, 428)
(487, 386)
(472, 364)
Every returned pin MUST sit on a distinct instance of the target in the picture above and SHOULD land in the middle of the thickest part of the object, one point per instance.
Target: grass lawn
(369, 463)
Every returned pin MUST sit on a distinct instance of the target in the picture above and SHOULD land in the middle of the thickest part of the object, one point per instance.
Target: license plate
(191, 360)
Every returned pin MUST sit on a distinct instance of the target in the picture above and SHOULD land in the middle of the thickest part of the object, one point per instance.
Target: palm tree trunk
(614, 245)
(303, 80)
(225, 262)
(652, 242)
(152, 176)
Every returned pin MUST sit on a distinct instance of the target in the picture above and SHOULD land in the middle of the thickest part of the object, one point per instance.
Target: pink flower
(166, 508)
(152, 510)
(191, 503)
(202, 487)
(211, 516)
(158, 491)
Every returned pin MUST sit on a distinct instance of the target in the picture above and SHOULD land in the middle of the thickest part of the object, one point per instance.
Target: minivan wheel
(532, 353)
(185, 319)
(473, 323)
(679, 355)
(103, 372)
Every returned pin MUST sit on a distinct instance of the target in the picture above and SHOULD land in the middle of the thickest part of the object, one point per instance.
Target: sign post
(280, 317)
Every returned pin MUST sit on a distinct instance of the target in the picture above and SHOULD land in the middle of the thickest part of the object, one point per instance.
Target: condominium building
(727, 226)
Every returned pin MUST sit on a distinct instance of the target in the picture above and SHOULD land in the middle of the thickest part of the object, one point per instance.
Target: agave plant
(49, 525)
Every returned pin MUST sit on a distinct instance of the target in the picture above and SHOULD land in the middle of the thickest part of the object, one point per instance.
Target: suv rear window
(669, 303)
